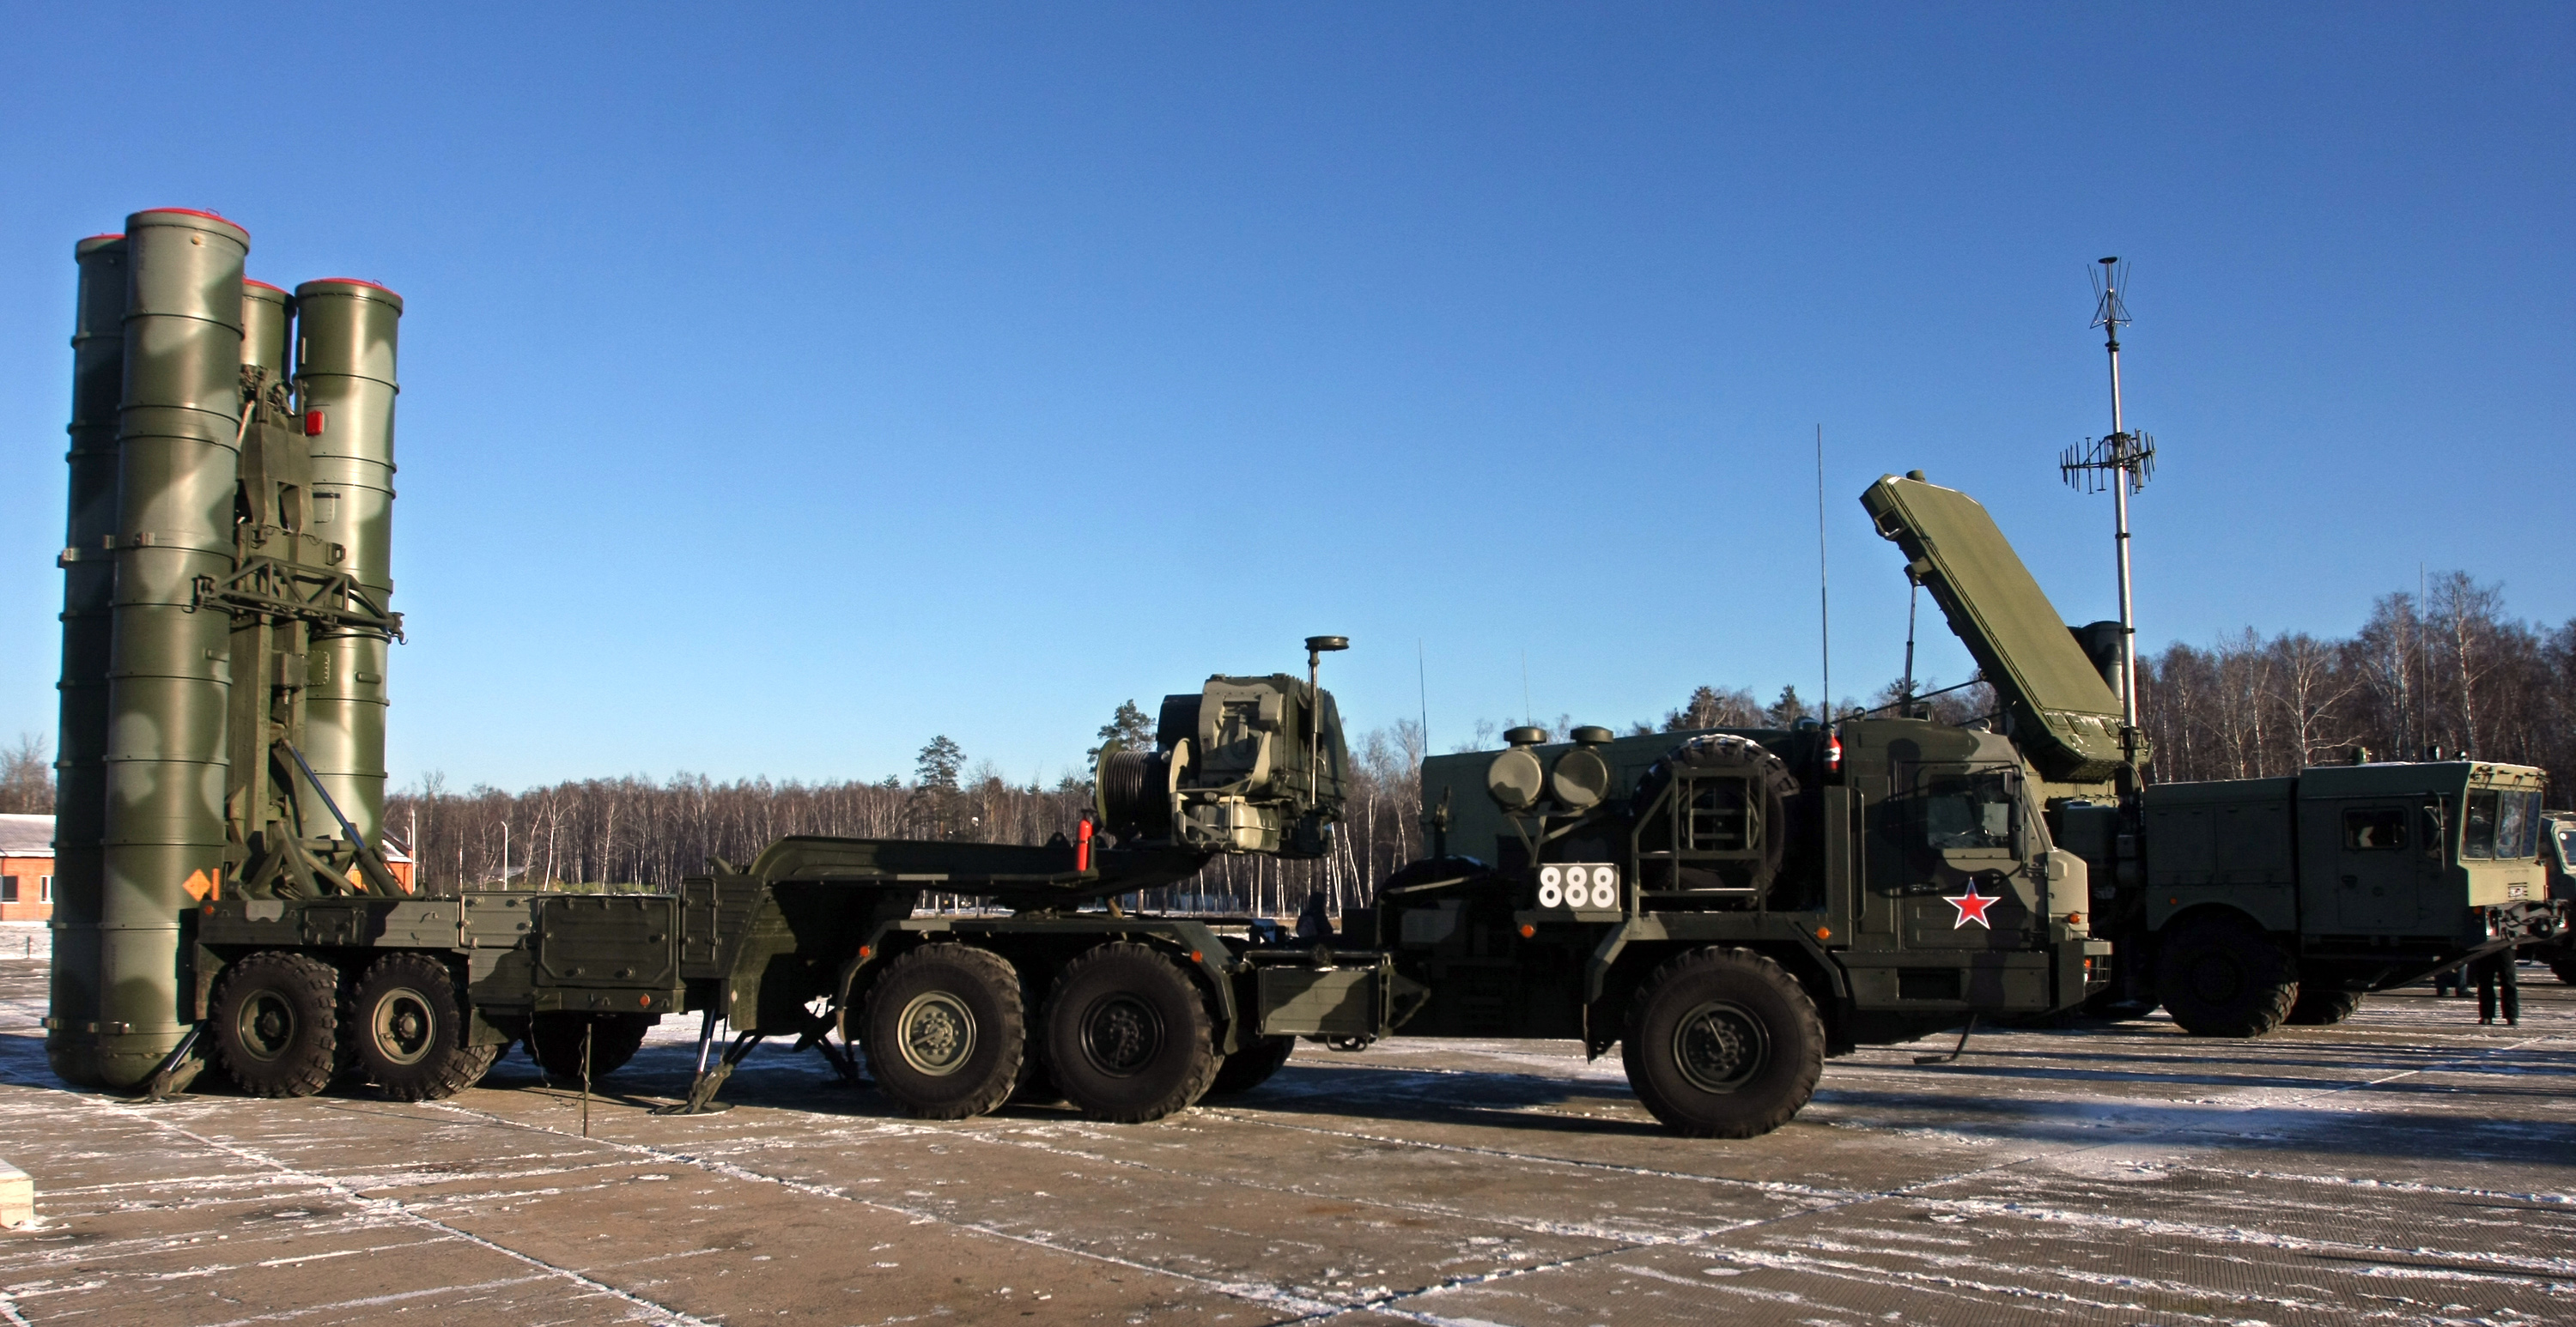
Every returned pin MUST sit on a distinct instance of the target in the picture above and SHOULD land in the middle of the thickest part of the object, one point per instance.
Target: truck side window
(1975, 811)
(2518, 825)
(2478, 842)
(2374, 830)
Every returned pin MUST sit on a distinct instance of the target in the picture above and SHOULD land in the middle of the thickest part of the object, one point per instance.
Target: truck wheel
(2224, 977)
(554, 1041)
(2564, 966)
(2321, 1005)
(1722, 1043)
(1252, 1066)
(276, 1024)
(1128, 1035)
(407, 1029)
(945, 1031)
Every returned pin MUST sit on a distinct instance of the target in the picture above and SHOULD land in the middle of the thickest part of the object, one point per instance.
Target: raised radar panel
(2062, 712)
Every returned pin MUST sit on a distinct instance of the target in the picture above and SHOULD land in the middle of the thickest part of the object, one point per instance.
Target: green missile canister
(89, 582)
(344, 374)
(268, 316)
(169, 675)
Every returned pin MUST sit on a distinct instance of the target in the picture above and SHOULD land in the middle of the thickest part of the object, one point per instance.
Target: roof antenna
(1824, 600)
(2120, 461)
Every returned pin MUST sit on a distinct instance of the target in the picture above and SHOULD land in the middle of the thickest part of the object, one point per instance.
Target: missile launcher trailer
(224, 614)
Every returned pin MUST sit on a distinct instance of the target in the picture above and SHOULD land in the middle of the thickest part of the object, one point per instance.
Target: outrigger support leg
(702, 1090)
(1954, 1052)
(845, 1066)
(177, 1069)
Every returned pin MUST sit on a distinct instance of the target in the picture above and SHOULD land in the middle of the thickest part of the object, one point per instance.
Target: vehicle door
(1964, 884)
(2388, 856)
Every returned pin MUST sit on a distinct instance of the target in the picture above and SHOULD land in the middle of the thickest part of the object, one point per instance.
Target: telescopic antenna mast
(2121, 462)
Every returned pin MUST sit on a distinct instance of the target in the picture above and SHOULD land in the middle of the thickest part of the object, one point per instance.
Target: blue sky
(785, 386)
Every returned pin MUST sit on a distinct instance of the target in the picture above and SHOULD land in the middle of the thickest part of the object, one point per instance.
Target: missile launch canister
(89, 582)
(345, 377)
(162, 845)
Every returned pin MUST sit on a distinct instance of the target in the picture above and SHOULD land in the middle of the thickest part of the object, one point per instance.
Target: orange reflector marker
(867, 951)
(312, 423)
(1824, 933)
(1196, 957)
(2075, 919)
(643, 999)
(1528, 930)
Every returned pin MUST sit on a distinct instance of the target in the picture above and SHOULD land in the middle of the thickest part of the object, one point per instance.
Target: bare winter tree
(26, 778)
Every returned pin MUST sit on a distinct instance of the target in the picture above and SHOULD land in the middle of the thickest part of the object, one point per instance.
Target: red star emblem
(1972, 908)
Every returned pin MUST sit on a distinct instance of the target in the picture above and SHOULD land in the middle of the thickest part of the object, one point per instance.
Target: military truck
(2558, 857)
(2236, 904)
(2287, 899)
(1727, 907)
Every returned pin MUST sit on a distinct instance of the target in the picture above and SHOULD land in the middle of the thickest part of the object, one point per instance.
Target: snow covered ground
(2406, 1167)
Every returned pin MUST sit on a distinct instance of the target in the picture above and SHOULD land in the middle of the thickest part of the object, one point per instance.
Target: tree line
(2441, 670)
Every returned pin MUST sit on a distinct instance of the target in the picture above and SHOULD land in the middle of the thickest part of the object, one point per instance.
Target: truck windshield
(2501, 824)
(1972, 811)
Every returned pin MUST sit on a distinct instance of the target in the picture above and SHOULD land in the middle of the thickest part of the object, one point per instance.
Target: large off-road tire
(2564, 967)
(1129, 1038)
(1723, 1043)
(1252, 1066)
(406, 1028)
(276, 1023)
(2222, 976)
(554, 1042)
(2320, 1005)
(945, 1031)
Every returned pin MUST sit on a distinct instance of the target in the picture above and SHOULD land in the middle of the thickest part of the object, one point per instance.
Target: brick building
(27, 867)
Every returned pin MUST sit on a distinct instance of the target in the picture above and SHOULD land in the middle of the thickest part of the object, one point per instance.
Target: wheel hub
(267, 1025)
(1719, 1047)
(2217, 979)
(936, 1033)
(402, 1025)
(1121, 1035)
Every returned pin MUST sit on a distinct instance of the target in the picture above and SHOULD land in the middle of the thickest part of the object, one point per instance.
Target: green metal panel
(2063, 714)
(89, 584)
(169, 674)
(345, 362)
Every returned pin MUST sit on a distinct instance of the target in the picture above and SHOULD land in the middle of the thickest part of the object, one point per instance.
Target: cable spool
(1136, 792)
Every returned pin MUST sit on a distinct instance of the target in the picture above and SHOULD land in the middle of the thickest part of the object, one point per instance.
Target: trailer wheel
(1252, 1066)
(276, 1024)
(554, 1041)
(1722, 1043)
(945, 1031)
(1128, 1035)
(2319, 1006)
(2222, 976)
(407, 1029)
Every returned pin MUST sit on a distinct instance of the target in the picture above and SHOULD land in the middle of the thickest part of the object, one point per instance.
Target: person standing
(2495, 977)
